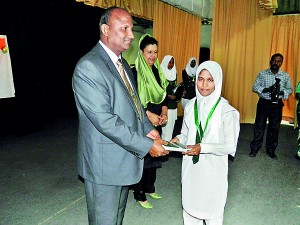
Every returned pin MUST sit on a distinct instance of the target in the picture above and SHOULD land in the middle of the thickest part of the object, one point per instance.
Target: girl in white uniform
(169, 68)
(210, 128)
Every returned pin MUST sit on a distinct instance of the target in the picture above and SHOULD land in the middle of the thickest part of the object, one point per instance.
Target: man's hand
(153, 134)
(157, 149)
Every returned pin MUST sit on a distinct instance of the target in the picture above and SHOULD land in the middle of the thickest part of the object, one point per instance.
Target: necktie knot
(119, 63)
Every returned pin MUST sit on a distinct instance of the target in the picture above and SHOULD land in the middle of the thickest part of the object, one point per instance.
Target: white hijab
(170, 74)
(205, 103)
(191, 71)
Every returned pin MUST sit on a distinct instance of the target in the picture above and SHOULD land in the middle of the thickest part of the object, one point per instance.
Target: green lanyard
(200, 131)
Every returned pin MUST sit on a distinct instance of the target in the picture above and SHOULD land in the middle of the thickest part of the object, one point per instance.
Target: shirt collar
(110, 53)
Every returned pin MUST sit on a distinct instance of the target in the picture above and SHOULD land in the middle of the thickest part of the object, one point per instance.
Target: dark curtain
(288, 7)
(204, 54)
(45, 42)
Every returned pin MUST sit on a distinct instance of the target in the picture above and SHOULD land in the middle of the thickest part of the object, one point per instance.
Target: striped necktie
(129, 88)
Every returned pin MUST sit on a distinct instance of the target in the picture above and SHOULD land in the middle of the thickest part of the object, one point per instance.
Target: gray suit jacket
(111, 138)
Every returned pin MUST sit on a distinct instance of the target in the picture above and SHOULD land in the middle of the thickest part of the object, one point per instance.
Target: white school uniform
(205, 184)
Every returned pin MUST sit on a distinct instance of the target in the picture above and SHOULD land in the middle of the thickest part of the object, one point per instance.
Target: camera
(275, 91)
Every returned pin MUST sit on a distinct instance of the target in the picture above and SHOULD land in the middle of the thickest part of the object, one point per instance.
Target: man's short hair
(275, 55)
(105, 17)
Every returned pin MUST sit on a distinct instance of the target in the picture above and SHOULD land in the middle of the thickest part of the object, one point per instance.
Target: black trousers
(266, 110)
(146, 184)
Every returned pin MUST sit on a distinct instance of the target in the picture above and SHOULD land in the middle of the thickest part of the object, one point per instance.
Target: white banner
(7, 89)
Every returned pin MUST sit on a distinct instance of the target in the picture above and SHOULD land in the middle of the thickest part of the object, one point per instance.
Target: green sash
(200, 131)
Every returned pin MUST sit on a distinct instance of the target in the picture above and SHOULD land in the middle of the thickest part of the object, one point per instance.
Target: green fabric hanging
(148, 88)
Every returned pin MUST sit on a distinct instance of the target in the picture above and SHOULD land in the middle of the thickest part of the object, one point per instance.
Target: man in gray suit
(113, 136)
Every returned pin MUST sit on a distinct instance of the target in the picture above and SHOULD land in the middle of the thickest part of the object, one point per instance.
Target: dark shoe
(272, 155)
(252, 153)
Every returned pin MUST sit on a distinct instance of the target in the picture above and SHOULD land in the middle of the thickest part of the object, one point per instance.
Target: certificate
(176, 147)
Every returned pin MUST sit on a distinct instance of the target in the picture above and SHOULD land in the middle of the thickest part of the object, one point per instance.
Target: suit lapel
(110, 64)
(115, 72)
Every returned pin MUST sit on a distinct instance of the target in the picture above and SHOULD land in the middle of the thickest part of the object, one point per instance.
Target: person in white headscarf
(210, 129)
(169, 69)
(188, 79)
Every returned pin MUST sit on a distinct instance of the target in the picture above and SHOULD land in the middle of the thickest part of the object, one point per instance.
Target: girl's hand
(174, 140)
(195, 150)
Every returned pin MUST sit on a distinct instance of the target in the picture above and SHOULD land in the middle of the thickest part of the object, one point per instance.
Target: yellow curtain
(243, 38)
(240, 42)
(139, 8)
(178, 34)
(286, 40)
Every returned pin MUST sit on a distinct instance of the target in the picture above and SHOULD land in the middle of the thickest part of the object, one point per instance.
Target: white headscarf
(205, 103)
(191, 71)
(169, 73)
